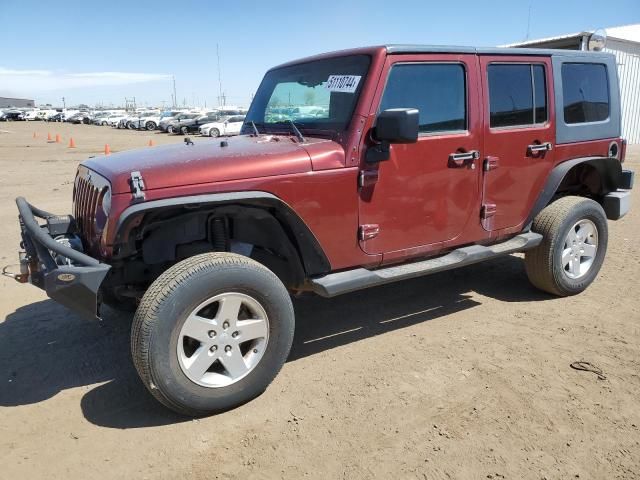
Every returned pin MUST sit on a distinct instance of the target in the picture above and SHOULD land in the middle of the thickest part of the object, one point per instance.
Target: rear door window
(585, 90)
(517, 95)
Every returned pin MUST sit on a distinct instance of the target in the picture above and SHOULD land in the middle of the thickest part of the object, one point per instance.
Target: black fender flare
(610, 171)
(312, 256)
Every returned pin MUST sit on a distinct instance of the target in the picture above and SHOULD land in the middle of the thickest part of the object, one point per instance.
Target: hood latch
(137, 187)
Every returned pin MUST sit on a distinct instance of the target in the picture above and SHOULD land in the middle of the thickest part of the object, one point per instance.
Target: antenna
(528, 24)
(220, 96)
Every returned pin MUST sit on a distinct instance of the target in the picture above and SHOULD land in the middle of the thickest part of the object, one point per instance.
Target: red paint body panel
(516, 182)
(205, 162)
(420, 201)
(569, 151)
(325, 155)
(326, 201)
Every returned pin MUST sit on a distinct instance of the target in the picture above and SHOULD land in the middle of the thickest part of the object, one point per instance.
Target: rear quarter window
(585, 89)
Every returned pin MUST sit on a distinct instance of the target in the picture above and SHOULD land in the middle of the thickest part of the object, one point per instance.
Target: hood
(205, 161)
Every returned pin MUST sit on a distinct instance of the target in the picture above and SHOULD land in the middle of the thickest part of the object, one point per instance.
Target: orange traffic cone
(58, 139)
(107, 150)
(151, 143)
(72, 144)
(49, 139)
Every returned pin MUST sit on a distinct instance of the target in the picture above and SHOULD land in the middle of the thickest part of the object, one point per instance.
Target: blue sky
(105, 51)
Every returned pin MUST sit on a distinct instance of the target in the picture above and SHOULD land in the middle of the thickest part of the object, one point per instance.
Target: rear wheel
(574, 244)
(151, 126)
(211, 333)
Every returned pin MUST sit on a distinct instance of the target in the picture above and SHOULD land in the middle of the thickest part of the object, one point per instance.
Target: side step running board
(359, 278)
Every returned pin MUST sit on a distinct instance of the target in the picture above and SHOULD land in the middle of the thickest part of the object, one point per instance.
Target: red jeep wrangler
(354, 169)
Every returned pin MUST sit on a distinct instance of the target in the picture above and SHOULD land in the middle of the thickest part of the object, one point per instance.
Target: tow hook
(23, 276)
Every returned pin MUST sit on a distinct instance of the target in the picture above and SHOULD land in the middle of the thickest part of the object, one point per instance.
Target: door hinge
(490, 163)
(137, 186)
(367, 178)
(368, 231)
(488, 210)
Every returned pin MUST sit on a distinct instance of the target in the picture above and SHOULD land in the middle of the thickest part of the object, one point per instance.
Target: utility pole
(64, 104)
(220, 95)
(175, 98)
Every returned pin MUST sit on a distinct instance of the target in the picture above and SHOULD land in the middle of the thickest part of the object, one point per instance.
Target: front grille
(88, 193)
(85, 203)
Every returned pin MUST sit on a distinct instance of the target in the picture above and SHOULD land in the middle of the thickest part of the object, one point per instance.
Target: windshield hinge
(137, 186)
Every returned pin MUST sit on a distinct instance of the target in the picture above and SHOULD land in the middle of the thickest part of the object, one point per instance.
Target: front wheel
(211, 333)
(573, 247)
(214, 132)
(170, 130)
(184, 131)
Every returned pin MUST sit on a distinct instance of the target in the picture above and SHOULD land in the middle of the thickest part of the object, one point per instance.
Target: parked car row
(11, 115)
(224, 121)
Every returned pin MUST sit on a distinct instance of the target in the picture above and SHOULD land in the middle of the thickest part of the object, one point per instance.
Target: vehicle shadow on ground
(45, 349)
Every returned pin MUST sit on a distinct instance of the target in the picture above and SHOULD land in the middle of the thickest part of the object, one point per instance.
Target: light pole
(64, 105)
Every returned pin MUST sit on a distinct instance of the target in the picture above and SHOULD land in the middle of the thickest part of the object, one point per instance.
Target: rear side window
(438, 91)
(585, 89)
(517, 95)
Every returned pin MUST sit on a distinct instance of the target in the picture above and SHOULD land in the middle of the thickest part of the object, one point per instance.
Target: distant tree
(310, 97)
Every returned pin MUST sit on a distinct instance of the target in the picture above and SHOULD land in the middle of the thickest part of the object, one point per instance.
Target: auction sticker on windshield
(343, 83)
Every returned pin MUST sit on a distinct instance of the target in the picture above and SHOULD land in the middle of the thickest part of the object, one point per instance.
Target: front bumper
(74, 285)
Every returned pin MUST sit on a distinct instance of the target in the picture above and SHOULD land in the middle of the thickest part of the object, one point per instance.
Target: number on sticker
(343, 83)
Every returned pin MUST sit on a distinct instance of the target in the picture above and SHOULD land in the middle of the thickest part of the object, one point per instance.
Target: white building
(624, 43)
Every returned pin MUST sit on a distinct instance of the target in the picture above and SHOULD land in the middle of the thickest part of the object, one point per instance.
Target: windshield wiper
(255, 129)
(295, 130)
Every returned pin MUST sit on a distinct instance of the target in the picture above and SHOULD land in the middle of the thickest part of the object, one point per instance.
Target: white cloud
(34, 82)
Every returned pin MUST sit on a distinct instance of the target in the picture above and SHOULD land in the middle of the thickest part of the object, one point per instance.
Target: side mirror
(395, 125)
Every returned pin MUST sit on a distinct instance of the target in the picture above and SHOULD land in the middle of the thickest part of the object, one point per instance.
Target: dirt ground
(460, 375)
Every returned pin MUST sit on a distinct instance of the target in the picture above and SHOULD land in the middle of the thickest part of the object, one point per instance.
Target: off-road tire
(543, 263)
(171, 298)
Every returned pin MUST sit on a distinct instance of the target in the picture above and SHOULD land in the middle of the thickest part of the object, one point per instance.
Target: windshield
(318, 95)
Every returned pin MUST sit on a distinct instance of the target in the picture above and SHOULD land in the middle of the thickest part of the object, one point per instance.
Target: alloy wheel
(223, 339)
(580, 248)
